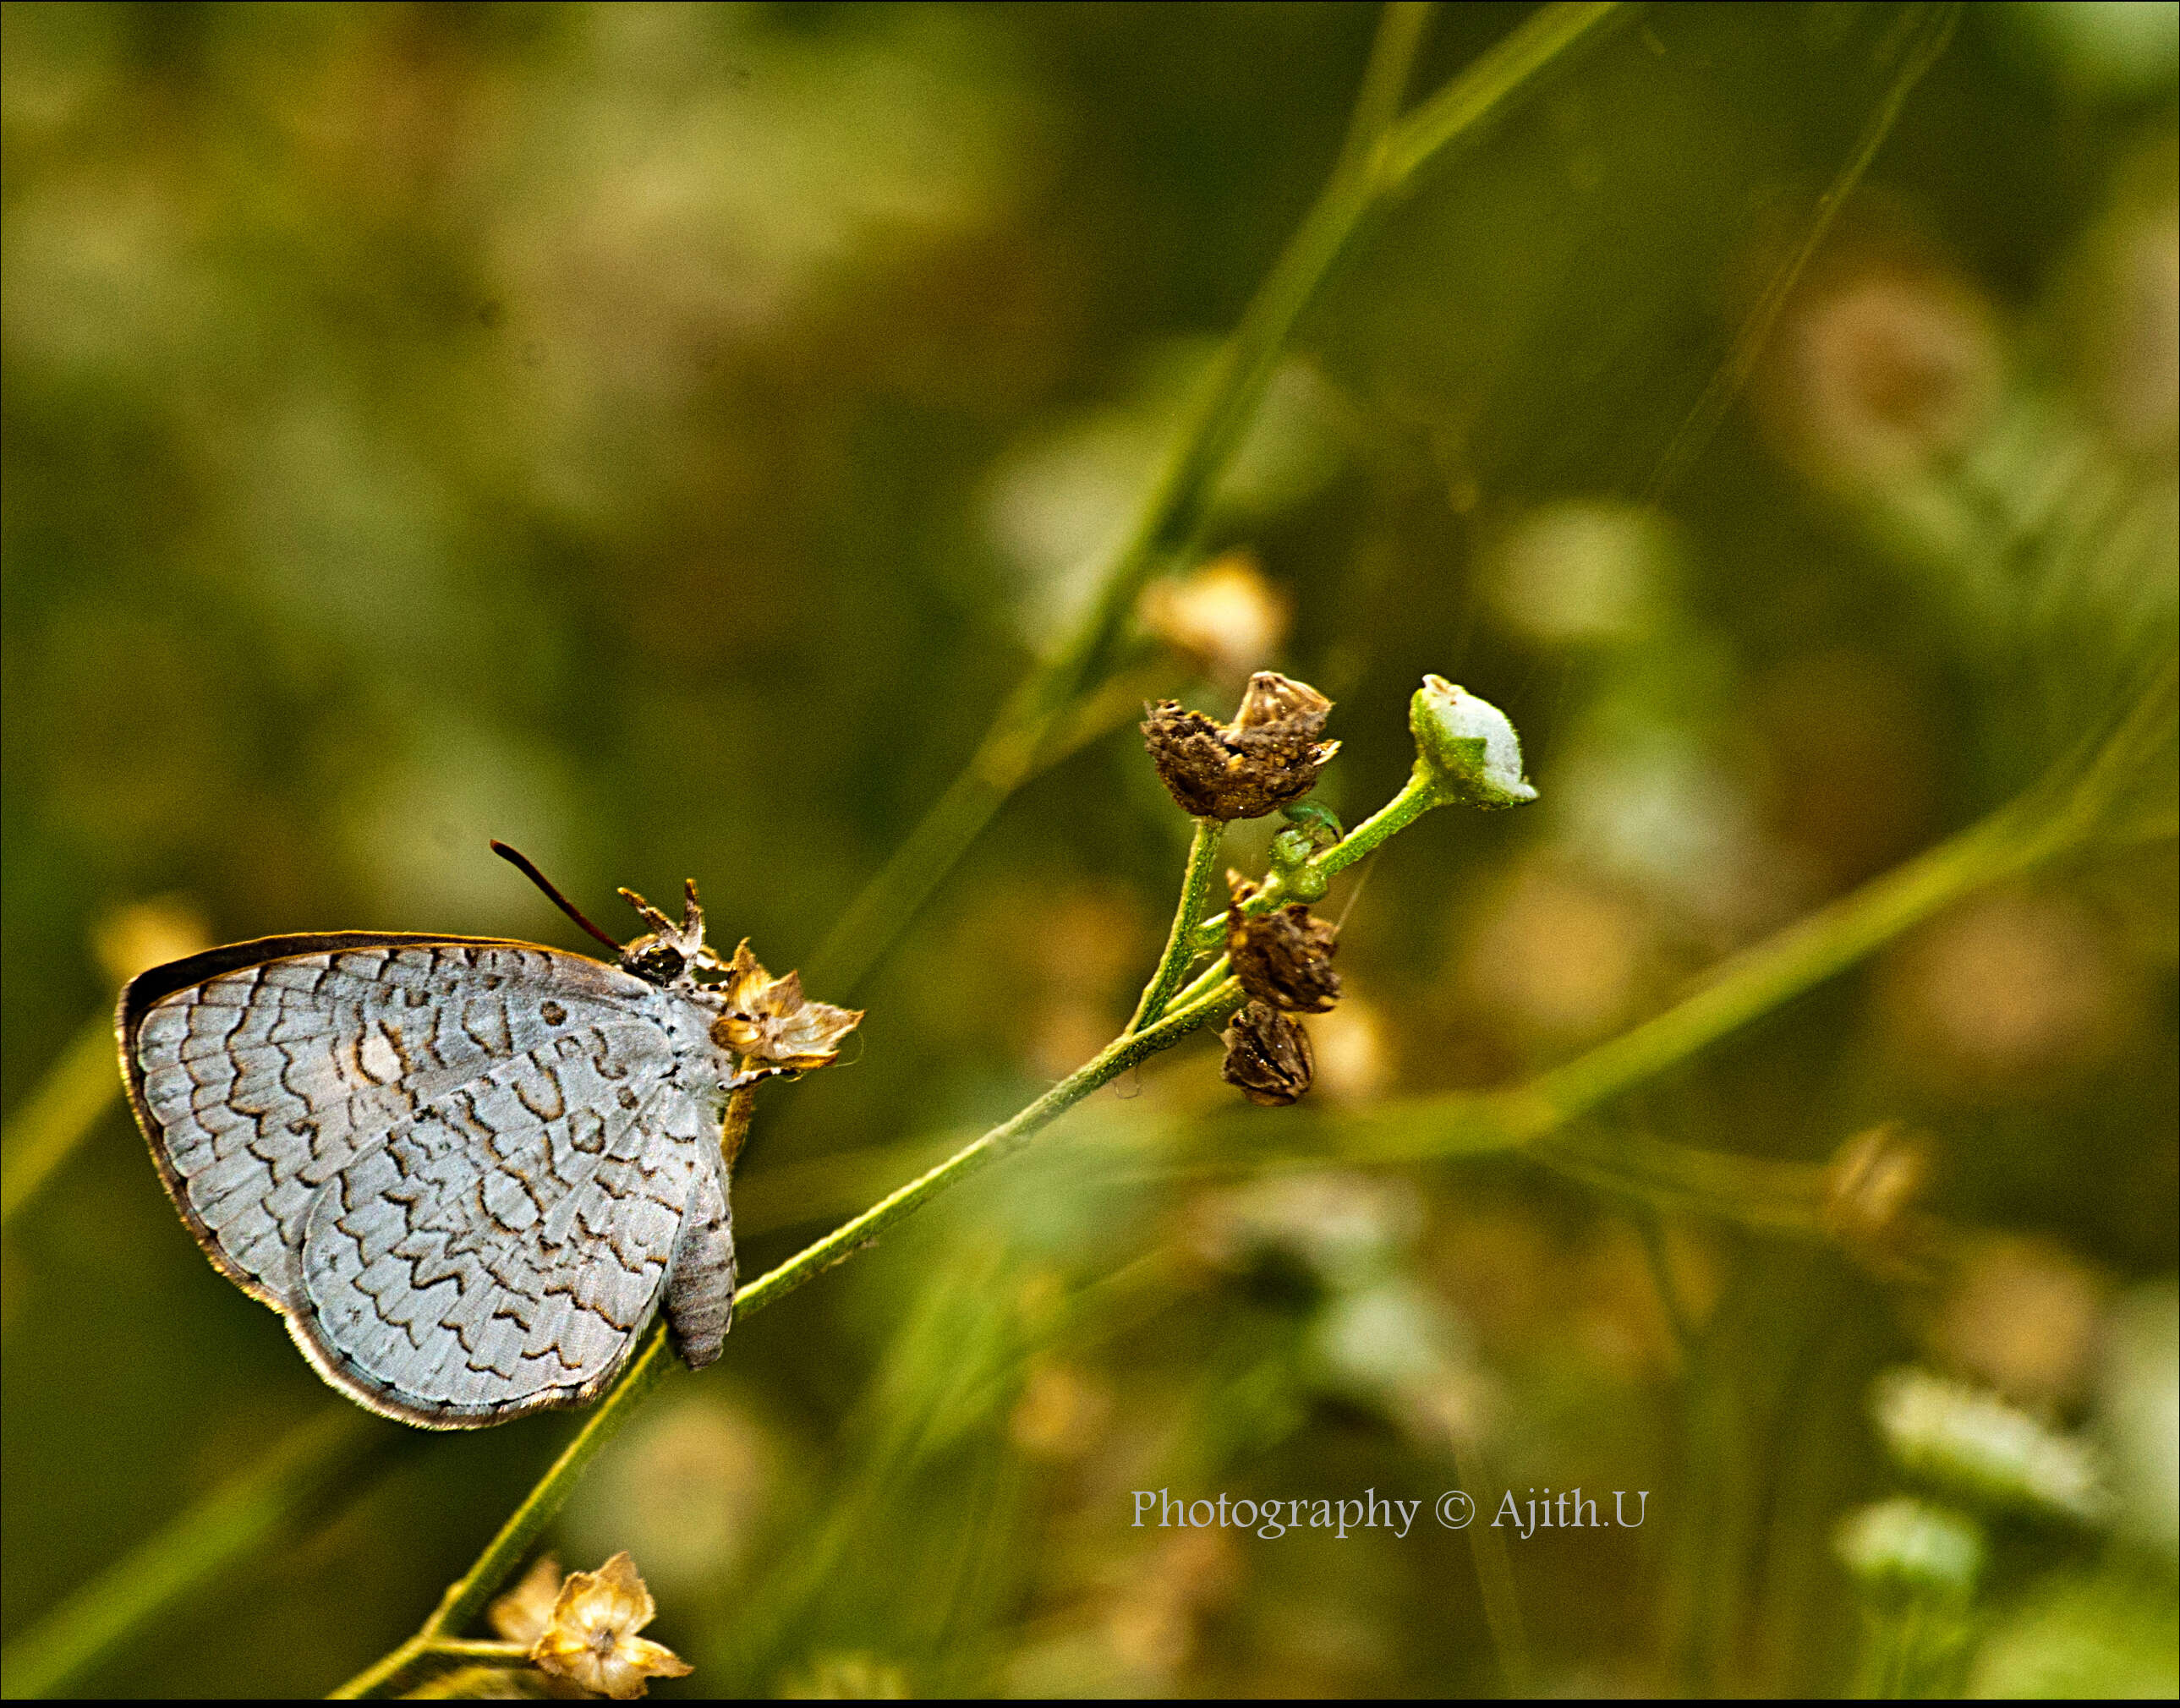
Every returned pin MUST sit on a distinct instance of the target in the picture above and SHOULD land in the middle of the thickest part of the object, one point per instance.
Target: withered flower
(1268, 756)
(1283, 957)
(521, 1615)
(591, 1638)
(770, 1023)
(1268, 1055)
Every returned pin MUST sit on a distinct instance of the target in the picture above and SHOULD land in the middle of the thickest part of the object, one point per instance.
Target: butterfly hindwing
(502, 1251)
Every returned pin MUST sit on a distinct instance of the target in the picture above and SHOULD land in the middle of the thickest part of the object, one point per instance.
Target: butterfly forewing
(466, 1170)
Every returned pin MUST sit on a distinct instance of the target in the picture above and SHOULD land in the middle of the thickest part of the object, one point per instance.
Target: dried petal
(1284, 957)
(1268, 1055)
(1268, 756)
(771, 1023)
(1273, 701)
(592, 1639)
(521, 1615)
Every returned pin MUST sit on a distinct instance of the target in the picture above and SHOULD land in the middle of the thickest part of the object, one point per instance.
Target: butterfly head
(666, 953)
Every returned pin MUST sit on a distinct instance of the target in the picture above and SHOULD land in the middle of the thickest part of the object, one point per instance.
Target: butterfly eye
(652, 961)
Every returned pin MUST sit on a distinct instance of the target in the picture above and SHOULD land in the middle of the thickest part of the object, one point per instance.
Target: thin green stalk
(466, 1598)
(1400, 29)
(1203, 981)
(1459, 112)
(1931, 27)
(1181, 952)
(76, 1090)
(479, 1649)
(1175, 506)
(1418, 795)
(1658, 1256)
(1747, 987)
(234, 1520)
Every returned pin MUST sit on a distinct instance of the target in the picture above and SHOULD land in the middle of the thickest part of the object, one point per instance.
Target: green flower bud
(1467, 747)
(1905, 1549)
(1302, 883)
(1290, 848)
(1316, 820)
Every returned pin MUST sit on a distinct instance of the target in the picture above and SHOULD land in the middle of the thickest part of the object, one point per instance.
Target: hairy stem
(1417, 797)
(1180, 951)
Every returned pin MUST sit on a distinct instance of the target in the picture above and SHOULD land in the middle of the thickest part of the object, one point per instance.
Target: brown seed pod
(1268, 1055)
(1283, 957)
(1268, 756)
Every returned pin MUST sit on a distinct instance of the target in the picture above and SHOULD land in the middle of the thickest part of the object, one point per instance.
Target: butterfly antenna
(521, 863)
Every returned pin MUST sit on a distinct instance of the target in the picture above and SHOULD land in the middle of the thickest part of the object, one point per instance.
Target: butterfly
(467, 1171)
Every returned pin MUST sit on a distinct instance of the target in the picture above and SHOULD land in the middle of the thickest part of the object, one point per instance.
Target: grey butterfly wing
(263, 1072)
(259, 1070)
(502, 1251)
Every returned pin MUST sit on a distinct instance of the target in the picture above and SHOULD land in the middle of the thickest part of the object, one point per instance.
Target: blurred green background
(662, 436)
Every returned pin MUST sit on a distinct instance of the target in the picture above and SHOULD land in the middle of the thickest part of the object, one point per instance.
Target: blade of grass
(76, 1090)
(234, 1520)
(1174, 509)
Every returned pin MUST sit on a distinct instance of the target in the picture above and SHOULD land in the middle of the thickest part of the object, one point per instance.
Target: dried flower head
(1283, 957)
(770, 1023)
(1268, 1055)
(521, 1615)
(591, 1638)
(1268, 756)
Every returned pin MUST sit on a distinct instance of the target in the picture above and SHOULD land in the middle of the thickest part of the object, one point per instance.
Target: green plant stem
(1400, 29)
(734, 1126)
(1746, 987)
(1173, 510)
(232, 1521)
(466, 1598)
(478, 1648)
(1923, 34)
(1494, 1571)
(1459, 112)
(76, 1090)
(1417, 797)
(1181, 952)
(1203, 981)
